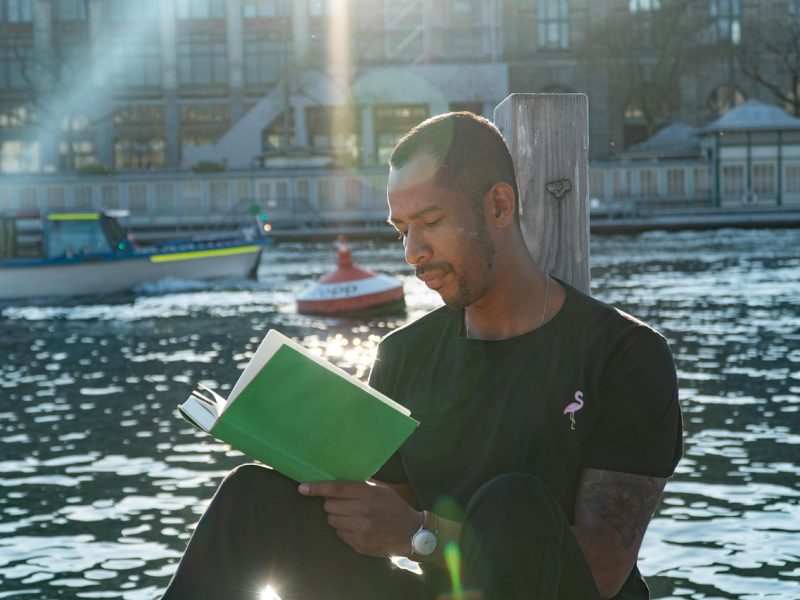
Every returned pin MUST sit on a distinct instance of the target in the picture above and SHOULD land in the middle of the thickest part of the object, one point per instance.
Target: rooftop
(677, 140)
(753, 115)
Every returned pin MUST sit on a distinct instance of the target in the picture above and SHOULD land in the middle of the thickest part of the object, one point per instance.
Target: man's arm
(612, 511)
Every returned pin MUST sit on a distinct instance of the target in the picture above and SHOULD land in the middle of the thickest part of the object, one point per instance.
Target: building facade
(129, 85)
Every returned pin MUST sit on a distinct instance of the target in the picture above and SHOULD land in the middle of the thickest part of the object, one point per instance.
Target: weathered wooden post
(548, 135)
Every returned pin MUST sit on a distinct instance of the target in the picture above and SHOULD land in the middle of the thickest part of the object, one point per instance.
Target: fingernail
(303, 489)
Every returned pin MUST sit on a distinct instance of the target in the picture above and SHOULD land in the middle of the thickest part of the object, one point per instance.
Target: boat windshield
(78, 237)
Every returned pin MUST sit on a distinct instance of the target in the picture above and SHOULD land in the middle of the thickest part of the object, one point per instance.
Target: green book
(302, 416)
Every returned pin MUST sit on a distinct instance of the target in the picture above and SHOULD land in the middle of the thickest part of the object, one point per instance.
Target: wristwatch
(423, 542)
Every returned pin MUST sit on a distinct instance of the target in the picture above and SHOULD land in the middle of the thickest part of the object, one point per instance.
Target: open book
(302, 416)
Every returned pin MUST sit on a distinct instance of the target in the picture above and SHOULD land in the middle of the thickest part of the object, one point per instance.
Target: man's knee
(255, 480)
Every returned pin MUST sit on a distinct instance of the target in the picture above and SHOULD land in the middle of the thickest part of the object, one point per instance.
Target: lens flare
(269, 594)
(452, 558)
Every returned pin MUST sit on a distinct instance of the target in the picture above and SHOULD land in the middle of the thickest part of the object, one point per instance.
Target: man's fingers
(338, 506)
(342, 524)
(333, 489)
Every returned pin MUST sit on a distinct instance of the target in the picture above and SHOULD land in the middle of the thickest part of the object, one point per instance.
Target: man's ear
(500, 205)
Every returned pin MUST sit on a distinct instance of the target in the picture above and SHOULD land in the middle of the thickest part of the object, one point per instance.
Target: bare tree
(61, 83)
(647, 51)
(770, 54)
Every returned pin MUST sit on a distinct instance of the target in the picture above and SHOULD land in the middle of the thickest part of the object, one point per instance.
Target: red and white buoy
(350, 289)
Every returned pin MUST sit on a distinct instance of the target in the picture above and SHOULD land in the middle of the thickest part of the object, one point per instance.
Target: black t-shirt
(492, 407)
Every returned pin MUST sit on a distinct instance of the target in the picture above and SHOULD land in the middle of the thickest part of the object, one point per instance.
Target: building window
(71, 52)
(702, 181)
(648, 183)
(335, 130)
(125, 10)
(201, 9)
(792, 178)
(19, 156)
(76, 148)
(202, 59)
(280, 133)
(76, 153)
(553, 24)
(463, 36)
(733, 180)
(264, 56)
(622, 183)
(597, 188)
(764, 179)
(794, 10)
(403, 27)
(16, 116)
(139, 63)
(676, 183)
(16, 62)
(70, 10)
(264, 9)
(16, 11)
(326, 194)
(392, 122)
(139, 138)
(320, 8)
(205, 114)
(353, 194)
(726, 17)
(203, 125)
(133, 153)
(724, 98)
(643, 5)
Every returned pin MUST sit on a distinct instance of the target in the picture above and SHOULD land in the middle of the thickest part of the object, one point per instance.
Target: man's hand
(371, 518)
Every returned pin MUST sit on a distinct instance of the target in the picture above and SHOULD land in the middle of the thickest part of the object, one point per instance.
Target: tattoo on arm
(625, 501)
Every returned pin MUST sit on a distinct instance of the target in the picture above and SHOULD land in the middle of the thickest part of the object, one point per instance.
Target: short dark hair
(470, 153)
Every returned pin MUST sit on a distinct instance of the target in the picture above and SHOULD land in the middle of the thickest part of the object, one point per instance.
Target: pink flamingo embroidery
(574, 407)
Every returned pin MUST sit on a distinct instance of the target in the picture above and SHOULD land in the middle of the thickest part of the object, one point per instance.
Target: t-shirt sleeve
(393, 470)
(640, 428)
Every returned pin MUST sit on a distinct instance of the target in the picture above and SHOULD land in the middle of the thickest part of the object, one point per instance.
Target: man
(549, 422)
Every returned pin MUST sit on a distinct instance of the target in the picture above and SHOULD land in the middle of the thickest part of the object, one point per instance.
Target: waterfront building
(749, 157)
(300, 101)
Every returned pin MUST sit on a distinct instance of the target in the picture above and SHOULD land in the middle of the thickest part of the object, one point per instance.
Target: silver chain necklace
(541, 319)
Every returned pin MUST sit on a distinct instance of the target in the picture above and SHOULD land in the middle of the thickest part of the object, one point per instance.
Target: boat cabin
(34, 235)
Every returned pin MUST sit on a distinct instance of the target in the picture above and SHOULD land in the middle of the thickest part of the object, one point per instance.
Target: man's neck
(515, 302)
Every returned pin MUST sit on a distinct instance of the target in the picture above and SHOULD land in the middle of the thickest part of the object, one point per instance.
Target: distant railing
(165, 203)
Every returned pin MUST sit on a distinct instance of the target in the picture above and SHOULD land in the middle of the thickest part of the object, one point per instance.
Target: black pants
(259, 529)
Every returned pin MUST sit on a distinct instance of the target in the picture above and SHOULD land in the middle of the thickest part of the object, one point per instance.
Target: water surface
(100, 481)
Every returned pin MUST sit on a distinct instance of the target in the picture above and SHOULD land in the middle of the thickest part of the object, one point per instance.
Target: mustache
(442, 266)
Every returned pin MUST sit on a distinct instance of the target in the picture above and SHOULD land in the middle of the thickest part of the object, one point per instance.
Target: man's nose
(416, 246)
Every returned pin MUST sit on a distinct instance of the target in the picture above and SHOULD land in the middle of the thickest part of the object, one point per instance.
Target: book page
(268, 346)
(272, 343)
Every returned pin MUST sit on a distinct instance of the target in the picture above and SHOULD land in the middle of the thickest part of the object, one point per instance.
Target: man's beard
(479, 259)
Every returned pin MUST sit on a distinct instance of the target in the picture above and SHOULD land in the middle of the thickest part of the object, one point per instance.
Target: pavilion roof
(753, 115)
(676, 140)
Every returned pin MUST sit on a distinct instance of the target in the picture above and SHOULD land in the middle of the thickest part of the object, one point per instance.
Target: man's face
(444, 235)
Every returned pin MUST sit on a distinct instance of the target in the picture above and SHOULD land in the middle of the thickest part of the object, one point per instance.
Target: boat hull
(351, 297)
(107, 275)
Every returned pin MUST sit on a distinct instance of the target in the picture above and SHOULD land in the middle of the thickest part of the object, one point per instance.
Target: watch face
(424, 542)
